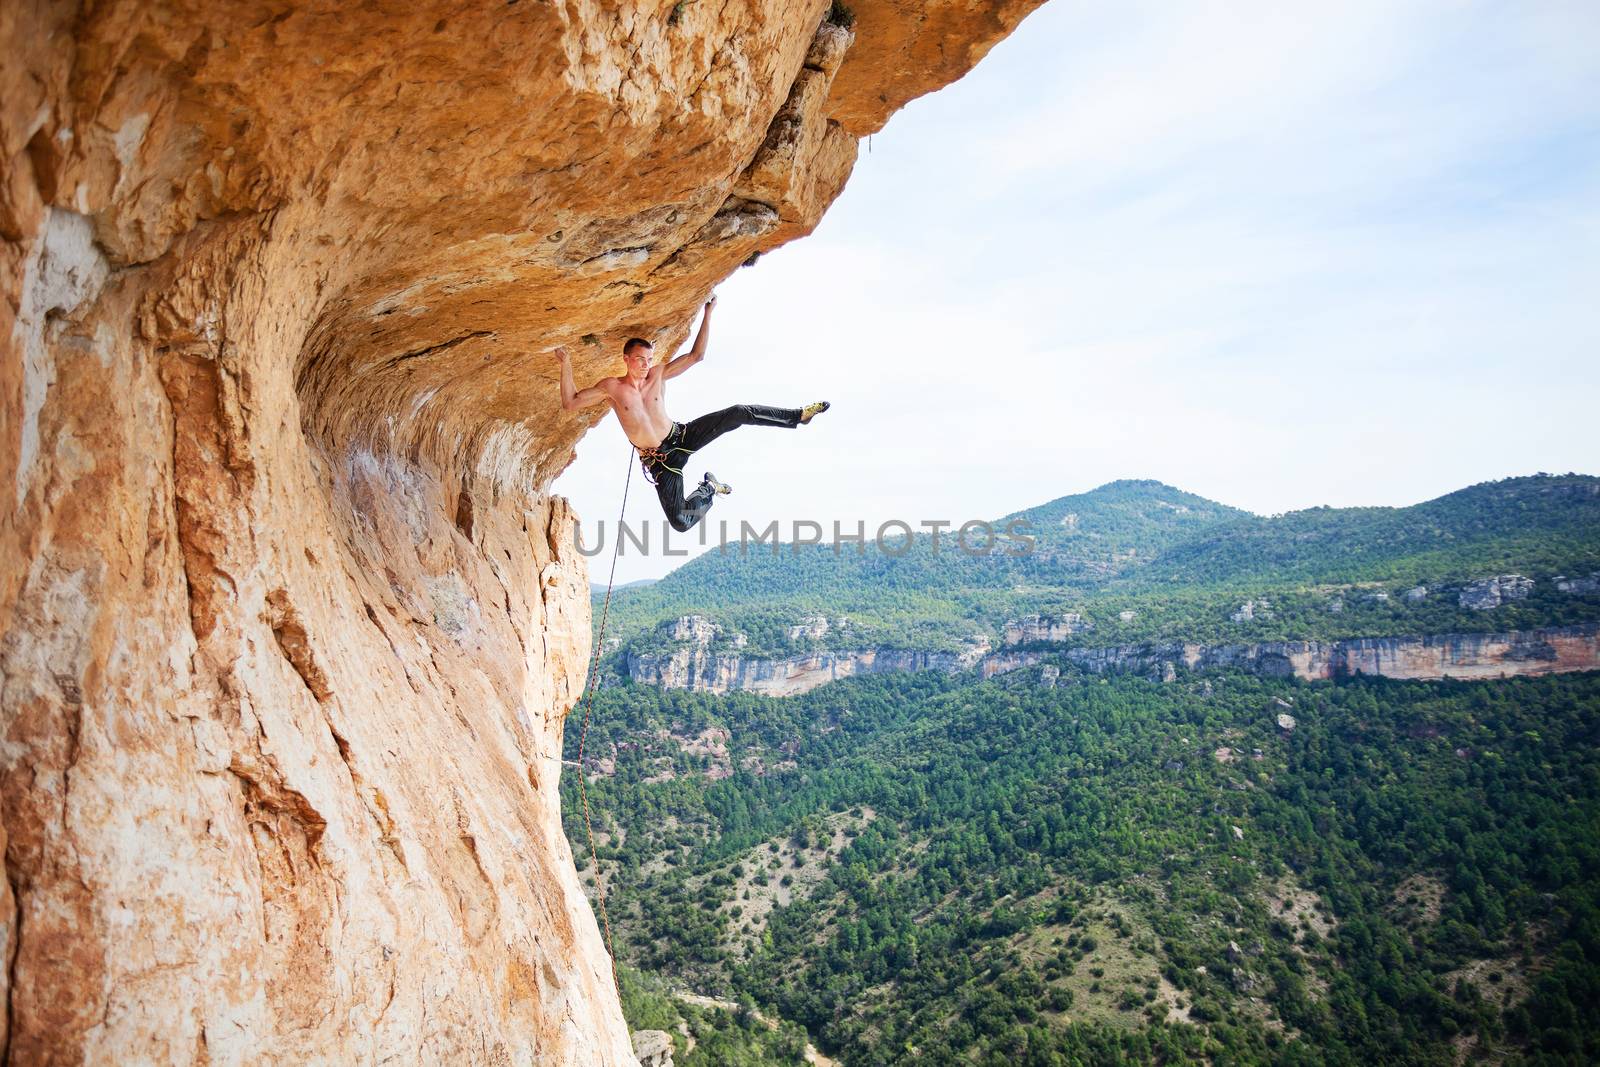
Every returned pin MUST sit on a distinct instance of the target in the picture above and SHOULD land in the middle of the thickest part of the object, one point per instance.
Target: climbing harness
(583, 737)
(657, 455)
(649, 457)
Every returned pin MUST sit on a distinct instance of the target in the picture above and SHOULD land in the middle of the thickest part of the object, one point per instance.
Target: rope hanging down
(583, 738)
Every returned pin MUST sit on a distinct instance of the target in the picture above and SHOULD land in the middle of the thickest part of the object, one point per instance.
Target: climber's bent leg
(682, 512)
(664, 463)
(707, 428)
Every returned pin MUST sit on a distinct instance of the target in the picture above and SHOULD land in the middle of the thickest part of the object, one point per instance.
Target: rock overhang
(447, 193)
(284, 589)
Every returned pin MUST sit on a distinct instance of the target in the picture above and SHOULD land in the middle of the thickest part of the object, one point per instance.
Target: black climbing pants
(665, 465)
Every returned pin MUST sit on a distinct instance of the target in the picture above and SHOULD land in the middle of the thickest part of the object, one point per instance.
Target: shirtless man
(639, 399)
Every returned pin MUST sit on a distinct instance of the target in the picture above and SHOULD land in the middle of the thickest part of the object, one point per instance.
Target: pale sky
(1277, 255)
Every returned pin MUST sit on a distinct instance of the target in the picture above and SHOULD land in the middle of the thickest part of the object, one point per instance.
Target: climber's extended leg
(707, 428)
(664, 464)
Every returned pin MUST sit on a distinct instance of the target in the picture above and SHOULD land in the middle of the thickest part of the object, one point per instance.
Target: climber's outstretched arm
(573, 399)
(698, 352)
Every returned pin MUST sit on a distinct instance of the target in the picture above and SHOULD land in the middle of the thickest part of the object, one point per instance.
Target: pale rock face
(290, 623)
(1043, 628)
(1579, 586)
(1554, 650)
(1486, 594)
(813, 627)
(696, 667)
(695, 628)
(1415, 595)
(1251, 610)
(1468, 656)
(653, 1048)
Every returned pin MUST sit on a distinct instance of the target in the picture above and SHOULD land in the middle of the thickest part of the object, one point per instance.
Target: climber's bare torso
(640, 405)
(639, 397)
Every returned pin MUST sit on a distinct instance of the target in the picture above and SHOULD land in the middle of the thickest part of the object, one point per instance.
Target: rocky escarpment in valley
(698, 665)
(705, 658)
(290, 621)
(1032, 628)
(713, 672)
(1466, 656)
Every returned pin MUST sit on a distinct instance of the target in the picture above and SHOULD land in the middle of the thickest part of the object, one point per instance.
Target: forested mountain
(1142, 561)
(1054, 866)
(1542, 524)
(1124, 521)
(920, 868)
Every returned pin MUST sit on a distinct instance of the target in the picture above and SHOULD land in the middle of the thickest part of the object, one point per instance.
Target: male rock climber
(639, 399)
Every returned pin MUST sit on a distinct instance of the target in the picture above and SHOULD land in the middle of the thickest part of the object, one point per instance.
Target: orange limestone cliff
(290, 622)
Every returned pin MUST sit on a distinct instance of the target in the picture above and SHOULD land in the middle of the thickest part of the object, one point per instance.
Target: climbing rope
(583, 738)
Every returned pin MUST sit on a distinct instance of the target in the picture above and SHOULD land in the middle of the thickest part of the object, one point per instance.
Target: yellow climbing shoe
(811, 411)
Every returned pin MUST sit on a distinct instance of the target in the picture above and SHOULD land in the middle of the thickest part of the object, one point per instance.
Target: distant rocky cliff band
(715, 672)
(1552, 650)
(1465, 656)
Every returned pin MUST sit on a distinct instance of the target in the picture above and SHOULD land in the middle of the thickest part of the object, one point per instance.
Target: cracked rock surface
(289, 622)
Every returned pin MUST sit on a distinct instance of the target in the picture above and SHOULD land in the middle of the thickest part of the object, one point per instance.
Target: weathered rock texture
(1485, 594)
(653, 1047)
(1498, 655)
(708, 659)
(1031, 628)
(290, 624)
(706, 671)
(1555, 650)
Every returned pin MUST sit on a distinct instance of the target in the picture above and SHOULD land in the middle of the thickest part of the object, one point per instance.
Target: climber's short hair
(628, 345)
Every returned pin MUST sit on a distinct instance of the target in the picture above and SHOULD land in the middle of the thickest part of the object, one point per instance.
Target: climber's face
(637, 359)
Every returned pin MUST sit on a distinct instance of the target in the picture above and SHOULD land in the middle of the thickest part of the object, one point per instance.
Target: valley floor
(1223, 868)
